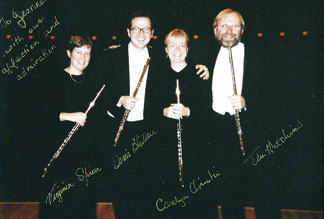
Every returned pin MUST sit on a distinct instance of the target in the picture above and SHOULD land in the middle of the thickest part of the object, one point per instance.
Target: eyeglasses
(78, 53)
(233, 26)
(145, 30)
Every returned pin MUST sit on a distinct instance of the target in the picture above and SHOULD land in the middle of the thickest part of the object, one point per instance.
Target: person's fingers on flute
(182, 109)
(237, 101)
(128, 102)
(78, 117)
(169, 112)
(174, 112)
(82, 117)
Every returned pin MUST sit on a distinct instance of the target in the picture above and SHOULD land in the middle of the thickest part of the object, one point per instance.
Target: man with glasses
(131, 159)
(126, 66)
(236, 189)
(228, 28)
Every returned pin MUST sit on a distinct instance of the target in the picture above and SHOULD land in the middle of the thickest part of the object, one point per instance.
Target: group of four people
(145, 161)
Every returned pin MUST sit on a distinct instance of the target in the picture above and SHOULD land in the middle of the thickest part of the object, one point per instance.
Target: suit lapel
(125, 72)
(148, 85)
(245, 74)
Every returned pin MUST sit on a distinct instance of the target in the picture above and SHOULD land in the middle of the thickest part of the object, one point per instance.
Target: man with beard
(228, 28)
(240, 181)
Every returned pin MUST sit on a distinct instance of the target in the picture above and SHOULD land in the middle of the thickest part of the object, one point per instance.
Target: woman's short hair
(226, 12)
(174, 35)
(79, 41)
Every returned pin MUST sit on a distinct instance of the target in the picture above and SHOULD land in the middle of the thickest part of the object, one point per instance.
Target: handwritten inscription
(194, 187)
(57, 192)
(14, 42)
(34, 63)
(163, 205)
(20, 49)
(198, 186)
(137, 143)
(35, 26)
(56, 23)
(271, 146)
(15, 61)
(22, 15)
(82, 174)
(4, 23)
(119, 160)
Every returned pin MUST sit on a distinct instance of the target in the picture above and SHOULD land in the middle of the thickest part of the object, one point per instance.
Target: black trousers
(133, 171)
(226, 154)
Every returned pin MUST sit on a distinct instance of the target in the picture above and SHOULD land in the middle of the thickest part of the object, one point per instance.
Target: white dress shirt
(222, 86)
(137, 60)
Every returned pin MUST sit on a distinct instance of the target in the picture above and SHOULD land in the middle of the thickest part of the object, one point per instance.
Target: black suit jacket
(117, 77)
(250, 75)
(253, 91)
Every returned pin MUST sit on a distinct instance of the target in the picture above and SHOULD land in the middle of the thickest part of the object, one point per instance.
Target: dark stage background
(292, 66)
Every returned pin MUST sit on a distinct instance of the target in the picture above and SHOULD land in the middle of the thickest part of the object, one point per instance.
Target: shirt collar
(133, 50)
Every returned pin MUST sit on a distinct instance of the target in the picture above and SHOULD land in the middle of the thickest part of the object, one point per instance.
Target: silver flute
(237, 116)
(179, 130)
(74, 129)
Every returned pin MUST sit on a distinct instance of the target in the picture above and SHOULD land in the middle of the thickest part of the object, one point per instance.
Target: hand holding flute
(179, 130)
(176, 111)
(130, 103)
(236, 102)
(77, 117)
(71, 133)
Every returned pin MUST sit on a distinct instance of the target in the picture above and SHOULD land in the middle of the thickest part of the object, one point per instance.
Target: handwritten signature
(118, 161)
(137, 143)
(168, 204)
(56, 193)
(271, 147)
(83, 175)
(194, 187)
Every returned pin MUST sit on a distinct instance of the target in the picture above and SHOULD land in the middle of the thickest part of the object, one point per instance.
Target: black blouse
(192, 94)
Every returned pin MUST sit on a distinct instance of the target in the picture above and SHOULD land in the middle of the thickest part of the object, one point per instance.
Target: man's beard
(231, 43)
